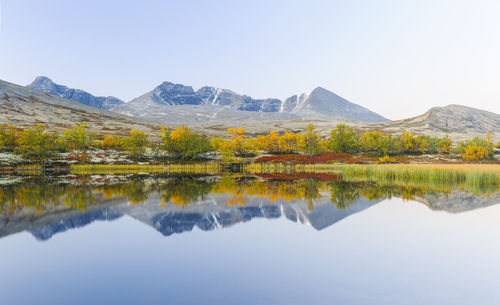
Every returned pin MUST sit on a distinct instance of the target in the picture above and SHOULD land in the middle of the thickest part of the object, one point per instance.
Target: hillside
(458, 121)
(27, 107)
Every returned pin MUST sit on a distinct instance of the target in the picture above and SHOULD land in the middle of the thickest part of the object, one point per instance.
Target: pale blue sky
(398, 58)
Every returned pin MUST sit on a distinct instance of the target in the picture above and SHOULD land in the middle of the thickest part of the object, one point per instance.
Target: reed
(466, 173)
(199, 168)
(477, 174)
(29, 170)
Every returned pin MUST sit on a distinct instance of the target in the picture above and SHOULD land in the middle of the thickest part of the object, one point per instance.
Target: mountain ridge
(319, 102)
(45, 84)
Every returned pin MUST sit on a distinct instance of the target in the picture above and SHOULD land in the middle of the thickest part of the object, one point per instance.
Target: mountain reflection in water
(176, 204)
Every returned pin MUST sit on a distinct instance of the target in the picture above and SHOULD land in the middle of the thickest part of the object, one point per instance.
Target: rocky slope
(27, 107)
(458, 121)
(47, 85)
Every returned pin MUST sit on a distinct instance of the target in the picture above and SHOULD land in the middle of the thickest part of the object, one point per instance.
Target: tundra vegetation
(38, 146)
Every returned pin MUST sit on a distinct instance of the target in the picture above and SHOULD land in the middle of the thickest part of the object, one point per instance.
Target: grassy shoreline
(469, 173)
(196, 168)
(460, 175)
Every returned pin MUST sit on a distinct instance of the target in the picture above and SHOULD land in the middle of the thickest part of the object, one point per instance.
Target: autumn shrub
(444, 145)
(275, 143)
(412, 144)
(344, 139)
(78, 141)
(387, 159)
(476, 149)
(310, 142)
(475, 153)
(36, 144)
(111, 142)
(136, 143)
(185, 144)
(9, 137)
(379, 144)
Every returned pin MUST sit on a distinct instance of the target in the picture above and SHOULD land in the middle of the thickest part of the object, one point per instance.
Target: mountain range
(319, 102)
(211, 111)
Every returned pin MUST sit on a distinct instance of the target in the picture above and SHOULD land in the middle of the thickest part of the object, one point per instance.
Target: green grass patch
(93, 169)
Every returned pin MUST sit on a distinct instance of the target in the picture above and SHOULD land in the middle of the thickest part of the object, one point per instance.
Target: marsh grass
(200, 168)
(470, 173)
(475, 178)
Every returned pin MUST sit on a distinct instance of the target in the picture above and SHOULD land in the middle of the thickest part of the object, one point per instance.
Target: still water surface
(241, 240)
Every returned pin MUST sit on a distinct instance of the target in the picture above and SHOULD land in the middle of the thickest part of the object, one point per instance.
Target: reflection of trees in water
(136, 191)
(37, 194)
(184, 190)
(343, 194)
(34, 194)
(78, 197)
(311, 192)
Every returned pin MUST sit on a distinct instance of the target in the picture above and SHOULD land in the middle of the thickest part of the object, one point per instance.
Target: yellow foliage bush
(475, 153)
(444, 145)
(387, 159)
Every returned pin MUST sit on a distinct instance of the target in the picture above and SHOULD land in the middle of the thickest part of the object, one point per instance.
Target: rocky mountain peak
(324, 102)
(45, 84)
(168, 93)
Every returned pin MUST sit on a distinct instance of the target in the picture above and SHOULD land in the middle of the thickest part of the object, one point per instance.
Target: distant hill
(319, 102)
(27, 107)
(47, 85)
(461, 121)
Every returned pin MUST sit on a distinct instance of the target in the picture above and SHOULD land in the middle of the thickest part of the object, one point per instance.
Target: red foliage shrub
(298, 176)
(298, 159)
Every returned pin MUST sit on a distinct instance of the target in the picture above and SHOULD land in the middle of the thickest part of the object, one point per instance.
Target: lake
(243, 239)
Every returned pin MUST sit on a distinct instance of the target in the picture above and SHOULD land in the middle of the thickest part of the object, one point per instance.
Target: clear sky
(397, 58)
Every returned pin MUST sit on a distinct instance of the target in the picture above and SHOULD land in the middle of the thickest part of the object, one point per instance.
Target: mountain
(319, 102)
(459, 121)
(45, 84)
(170, 94)
(27, 107)
(322, 101)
